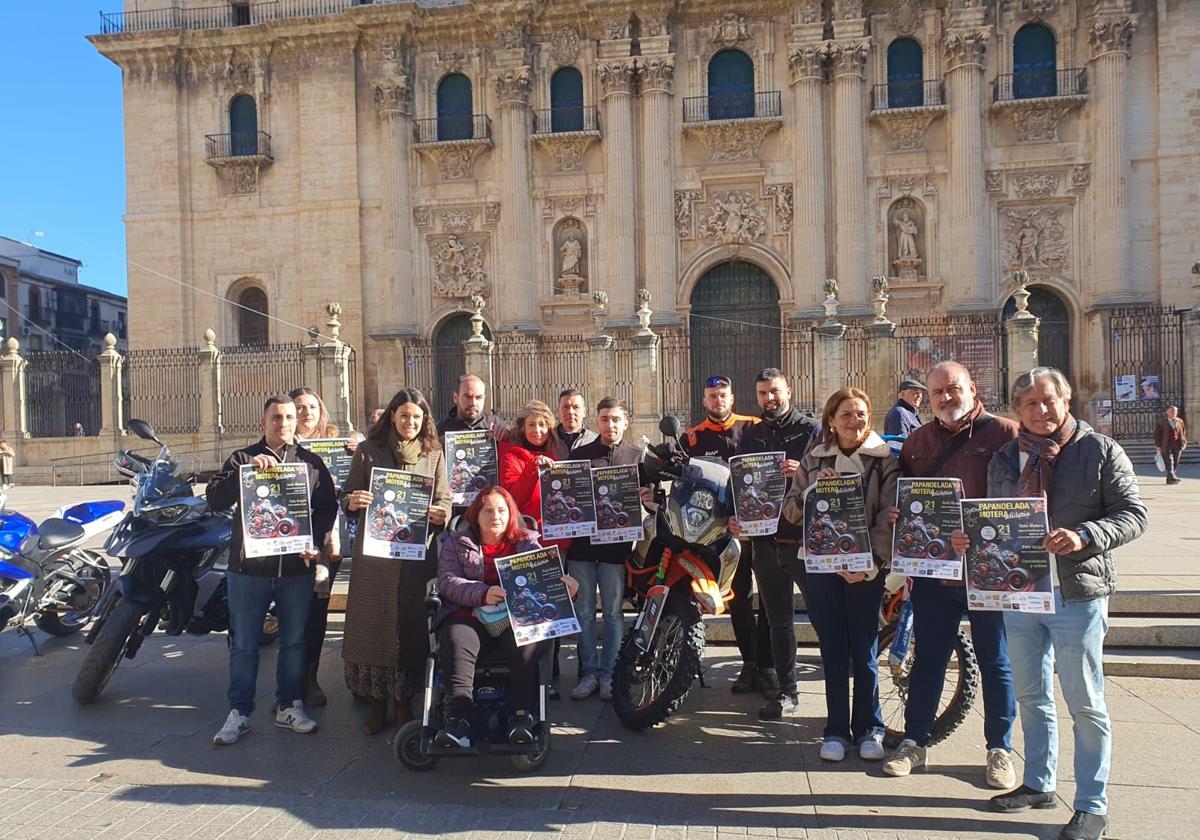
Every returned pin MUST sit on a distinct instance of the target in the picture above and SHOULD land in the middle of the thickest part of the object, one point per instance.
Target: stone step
(1141, 452)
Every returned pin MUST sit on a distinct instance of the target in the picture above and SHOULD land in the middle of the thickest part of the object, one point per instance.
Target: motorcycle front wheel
(106, 652)
(650, 687)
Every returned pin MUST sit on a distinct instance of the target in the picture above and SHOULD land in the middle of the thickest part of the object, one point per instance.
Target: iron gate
(63, 389)
(1145, 363)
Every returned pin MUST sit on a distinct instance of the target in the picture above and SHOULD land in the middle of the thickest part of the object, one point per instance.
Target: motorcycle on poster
(618, 505)
(1007, 566)
(397, 520)
(470, 464)
(337, 460)
(568, 509)
(276, 518)
(930, 510)
(539, 605)
(758, 491)
(835, 527)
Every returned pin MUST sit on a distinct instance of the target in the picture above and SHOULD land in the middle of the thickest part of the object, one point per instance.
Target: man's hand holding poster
(276, 517)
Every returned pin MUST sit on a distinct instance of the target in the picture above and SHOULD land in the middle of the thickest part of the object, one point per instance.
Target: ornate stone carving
(616, 29)
(807, 62)
(905, 16)
(511, 39)
(422, 216)
(564, 45)
(906, 126)
(617, 76)
(906, 238)
(567, 149)
(1037, 238)
(450, 61)
(571, 254)
(1111, 34)
(847, 9)
(513, 84)
(656, 27)
(683, 212)
(730, 30)
(1037, 121)
(734, 217)
(458, 221)
(658, 73)
(1036, 185)
(392, 95)
(782, 195)
(732, 140)
(455, 158)
(808, 12)
(241, 177)
(848, 58)
(458, 263)
(1035, 10)
(993, 181)
(491, 213)
(1081, 175)
(967, 47)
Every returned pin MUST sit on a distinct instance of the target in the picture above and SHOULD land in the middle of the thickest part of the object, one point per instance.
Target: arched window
(454, 108)
(730, 85)
(251, 316)
(243, 125)
(566, 100)
(905, 73)
(1034, 62)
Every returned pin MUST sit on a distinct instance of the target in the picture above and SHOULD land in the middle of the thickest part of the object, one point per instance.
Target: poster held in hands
(758, 491)
(1007, 566)
(930, 510)
(568, 509)
(835, 527)
(337, 460)
(470, 464)
(276, 517)
(618, 505)
(397, 520)
(539, 605)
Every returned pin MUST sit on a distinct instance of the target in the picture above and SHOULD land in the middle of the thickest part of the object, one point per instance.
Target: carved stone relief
(1037, 238)
(491, 213)
(1036, 185)
(906, 126)
(1035, 10)
(567, 149)
(732, 140)
(782, 194)
(993, 180)
(570, 254)
(617, 76)
(458, 221)
(564, 45)
(616, 29)
(905, 16)
(808, 12)
(733, 217)
(683, 212)
(966, 47)
(655, 27)
(906, 238)
(730, 30)
(422, 216)
(459, 265)
(1038, 123)
(513, 84)
(1081, 175)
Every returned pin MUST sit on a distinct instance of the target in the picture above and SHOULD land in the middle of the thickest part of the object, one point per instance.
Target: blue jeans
(1071, 641)
(846, 618)
(610, 578)
(249, 598)
(937, 612)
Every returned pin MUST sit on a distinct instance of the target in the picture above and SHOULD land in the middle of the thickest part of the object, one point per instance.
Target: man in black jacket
(287, 579)
(776, 565)
(602, 565)
(468, 412)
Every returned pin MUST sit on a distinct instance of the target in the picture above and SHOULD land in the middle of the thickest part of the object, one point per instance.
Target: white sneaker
(586, 688)
(236, 725)
(1001, 773)
(871, 748)
(294, 717)
(606, 689)
(833, 750)
(907, 758)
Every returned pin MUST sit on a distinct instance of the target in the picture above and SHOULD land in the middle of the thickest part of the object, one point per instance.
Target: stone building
(728, 157)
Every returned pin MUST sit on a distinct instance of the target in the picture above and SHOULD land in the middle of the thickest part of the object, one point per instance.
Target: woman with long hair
(312, 418)
(529, 448)
(386, 641)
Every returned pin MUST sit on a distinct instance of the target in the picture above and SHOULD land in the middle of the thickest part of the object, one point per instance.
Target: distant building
(43, 302)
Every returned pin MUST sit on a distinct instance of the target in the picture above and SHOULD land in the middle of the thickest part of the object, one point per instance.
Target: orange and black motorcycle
(682, 569)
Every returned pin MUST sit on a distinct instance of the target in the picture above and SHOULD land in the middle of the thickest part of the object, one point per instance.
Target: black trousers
(752, 634)
(318, 621)
(462, 641)
(778, 569)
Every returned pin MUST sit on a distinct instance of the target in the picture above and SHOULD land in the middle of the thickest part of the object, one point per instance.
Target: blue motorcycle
(45, 574)
(174, 552)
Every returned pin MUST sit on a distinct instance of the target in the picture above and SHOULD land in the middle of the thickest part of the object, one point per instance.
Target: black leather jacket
(792, 434)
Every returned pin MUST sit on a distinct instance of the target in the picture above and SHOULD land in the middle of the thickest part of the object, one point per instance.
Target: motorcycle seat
(55, 533)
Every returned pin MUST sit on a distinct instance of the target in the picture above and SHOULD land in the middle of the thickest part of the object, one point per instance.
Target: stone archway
(1054, 331)
(449, 360)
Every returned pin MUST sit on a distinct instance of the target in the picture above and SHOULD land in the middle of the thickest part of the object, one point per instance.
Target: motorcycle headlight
(697, 514)
(167, 515)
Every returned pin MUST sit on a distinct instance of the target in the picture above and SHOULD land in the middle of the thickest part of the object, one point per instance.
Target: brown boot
(404, 713)
(313, 694)
(376, 718)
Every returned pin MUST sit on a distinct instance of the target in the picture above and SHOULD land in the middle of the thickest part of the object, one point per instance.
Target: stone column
(477, 349)
(882, 354)
(515, 230)
(808, 147)
(1191, 368)
(619, 244)
(1113, 282)
(326, 366)
(850, 179)
(1022, 332)
(968, 248)
(830, 373)
(112, 420)
(658, 166)
(209, 362)
(16, 409)
(647, 405)
(393, 310)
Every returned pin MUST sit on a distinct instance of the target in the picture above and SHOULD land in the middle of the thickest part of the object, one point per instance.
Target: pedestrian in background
(1170, 439)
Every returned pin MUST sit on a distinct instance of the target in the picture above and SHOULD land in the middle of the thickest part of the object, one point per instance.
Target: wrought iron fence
(535, 367)
(238, 144)
(162, 386)
(555, 120)
(1146, 364)
(623, 385)
(251, 374)
(63, 388)
(908, 94)
(799, 364)
(1039, 83)
(978, 342)
(675, 371)
(732, 106)
(442, 129)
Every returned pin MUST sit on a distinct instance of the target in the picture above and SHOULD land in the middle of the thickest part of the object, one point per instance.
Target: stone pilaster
(850, 181)
(1191, 367)
(477, 349)
(209, 362)
(1113, 282)
(515, 228)
(112, 421)
(394, 309)
(968, 200)
(13, 398)
(808, 148)
(830, 368)
(882, 352)
(620, 274)
(658, 166)
(601, 365)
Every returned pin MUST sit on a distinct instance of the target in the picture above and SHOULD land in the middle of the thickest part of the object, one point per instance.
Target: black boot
(456, 733)
(747, 680)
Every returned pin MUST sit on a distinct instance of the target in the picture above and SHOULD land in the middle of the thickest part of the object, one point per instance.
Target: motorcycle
(389, 525)
(752, 506)
(531, 607)
(560, 509)
(45, 574)
(174, 552)
(684, 567)
(268, 520)
(992, 567)
(465, 476)
(611, 514)
(916, 539)
(830, 536)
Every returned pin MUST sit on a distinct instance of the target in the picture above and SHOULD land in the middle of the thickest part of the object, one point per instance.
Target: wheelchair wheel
(407, 748)
(528, 762)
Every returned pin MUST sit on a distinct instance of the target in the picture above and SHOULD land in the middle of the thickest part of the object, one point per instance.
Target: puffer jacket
(1094, 486)
(460, 571)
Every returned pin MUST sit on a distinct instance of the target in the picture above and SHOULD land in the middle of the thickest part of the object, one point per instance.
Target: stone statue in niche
(906, 239)
(572, 264)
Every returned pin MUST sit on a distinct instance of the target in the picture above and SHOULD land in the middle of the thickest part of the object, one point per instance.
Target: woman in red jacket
(530, 446)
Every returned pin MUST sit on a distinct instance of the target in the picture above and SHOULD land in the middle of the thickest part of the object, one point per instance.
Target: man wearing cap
(719, 435)
(902, 419)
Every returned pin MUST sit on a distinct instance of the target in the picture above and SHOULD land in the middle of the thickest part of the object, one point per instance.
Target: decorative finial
(1021, 295)
(335, 326)
(644, 313)
(210, 339)
(13, 346)
(599, 310)
(478, 303)
(880, 302)
(110, 342)
(831, 303)
(831, 288)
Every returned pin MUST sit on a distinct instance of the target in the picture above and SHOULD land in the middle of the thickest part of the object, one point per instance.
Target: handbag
(493, 617)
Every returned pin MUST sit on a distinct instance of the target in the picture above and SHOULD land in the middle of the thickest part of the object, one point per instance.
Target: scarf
(406, 452)
(1038, 474)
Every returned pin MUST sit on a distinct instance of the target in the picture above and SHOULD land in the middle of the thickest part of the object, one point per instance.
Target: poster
(567, 506)
(758, 490)
(981, 354)
(337, 460)
(470, 464)
(835, 527)
(930, 510)
(397, 520)
(276, 518)
(1150, 387)
(1007, 567)
(618, 505)
(1125, 388)
(539, 605)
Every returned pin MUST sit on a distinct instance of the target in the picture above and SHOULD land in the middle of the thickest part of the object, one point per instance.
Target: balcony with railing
(236, 14)
(732, 126)
(908, 94)
(562, 120)
(767, 104)
(1040, 84)
(244, 144)
(566, 134)
(468, 127)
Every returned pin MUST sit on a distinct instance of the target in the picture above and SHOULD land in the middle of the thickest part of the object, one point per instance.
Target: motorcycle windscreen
(701, 503)
(648, 618)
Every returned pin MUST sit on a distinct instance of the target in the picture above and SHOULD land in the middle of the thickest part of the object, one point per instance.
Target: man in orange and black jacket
(719, 435)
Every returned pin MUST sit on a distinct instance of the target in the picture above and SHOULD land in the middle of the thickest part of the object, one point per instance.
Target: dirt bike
(829, 536)
(684, 567)
(268, 521)
(611, 514)
(916, 539)
(752, 506)
(389, 525)
(560, 509)
(994, 568)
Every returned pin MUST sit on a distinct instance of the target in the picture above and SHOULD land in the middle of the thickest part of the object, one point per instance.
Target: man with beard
(775, 559)
(468, 412)
(958, 443)
(718, 435)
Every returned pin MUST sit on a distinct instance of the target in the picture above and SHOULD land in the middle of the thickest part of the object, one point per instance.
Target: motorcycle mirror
(670, 426)
(144, 430)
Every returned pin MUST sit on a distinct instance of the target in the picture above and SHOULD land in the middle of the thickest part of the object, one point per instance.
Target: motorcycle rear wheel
(69, 622)
(648, 688)
(106, 652)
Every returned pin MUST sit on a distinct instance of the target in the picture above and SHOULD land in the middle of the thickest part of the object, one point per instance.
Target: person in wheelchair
(467, 581)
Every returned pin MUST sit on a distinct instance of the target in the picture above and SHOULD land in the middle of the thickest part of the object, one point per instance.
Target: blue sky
(61, 145)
